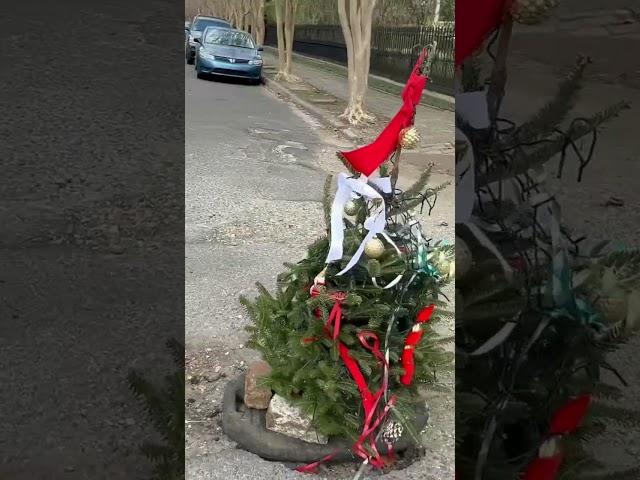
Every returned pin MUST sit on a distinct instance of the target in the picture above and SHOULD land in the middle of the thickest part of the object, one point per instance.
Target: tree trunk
(246, 7)
(356, 27)
(280, 33)
(286, 22)
(436, 12)
(258, 21)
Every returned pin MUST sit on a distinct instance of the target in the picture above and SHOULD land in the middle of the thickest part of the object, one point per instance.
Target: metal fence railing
(394, 50)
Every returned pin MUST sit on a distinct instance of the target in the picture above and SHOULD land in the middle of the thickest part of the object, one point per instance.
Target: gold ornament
(409, 138)
(446, 266)
(351, 207)
(532, 12)
(463, 257)
(374, 248)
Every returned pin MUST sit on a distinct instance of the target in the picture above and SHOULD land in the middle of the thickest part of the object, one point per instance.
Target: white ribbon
(473, 108)
(347, 187)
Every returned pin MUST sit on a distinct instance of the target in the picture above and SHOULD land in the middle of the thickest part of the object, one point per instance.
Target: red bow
(368, 158)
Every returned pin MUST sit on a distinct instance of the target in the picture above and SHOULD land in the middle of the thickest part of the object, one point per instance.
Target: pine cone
(392, 432)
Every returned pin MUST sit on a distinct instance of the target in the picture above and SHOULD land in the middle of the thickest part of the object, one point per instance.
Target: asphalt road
(254, 171)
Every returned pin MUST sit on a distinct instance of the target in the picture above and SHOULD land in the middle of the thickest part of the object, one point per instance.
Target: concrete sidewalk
(435, 125)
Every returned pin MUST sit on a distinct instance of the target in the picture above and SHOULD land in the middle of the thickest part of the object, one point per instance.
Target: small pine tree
(306, 366)
(165, 407)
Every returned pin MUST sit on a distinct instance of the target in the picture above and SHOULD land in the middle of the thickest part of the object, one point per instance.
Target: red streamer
(544, 468)
(368, 158)
(565, 421)
(568, 418)
(413, 338)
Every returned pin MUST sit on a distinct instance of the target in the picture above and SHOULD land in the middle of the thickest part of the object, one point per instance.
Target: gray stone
(287, 419)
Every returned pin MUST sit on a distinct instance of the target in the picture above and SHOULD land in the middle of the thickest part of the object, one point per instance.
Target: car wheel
(199, 74)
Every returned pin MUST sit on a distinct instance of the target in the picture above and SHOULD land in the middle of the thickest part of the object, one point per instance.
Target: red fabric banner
(368, 158)
(475, 21)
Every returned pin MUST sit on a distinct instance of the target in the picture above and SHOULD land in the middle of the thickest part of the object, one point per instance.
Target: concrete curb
(322, 114)
(430, 99)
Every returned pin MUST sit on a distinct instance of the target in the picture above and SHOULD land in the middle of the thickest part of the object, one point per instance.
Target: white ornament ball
(463, 258)
(532, 12)
(409, 138)
(351, 207)
(374, 248)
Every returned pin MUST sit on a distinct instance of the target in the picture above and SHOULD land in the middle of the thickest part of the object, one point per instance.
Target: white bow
(348, 188)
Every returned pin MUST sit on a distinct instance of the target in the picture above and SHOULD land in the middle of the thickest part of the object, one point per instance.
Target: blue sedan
(229, 53)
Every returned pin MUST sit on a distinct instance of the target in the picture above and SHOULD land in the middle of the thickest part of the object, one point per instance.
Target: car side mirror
(261, 48)
(197, 40)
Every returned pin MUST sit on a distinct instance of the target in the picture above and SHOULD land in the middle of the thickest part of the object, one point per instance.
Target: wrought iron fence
(394, 50)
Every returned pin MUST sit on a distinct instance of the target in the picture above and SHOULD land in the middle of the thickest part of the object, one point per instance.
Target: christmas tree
(347, 332)
(536, 313)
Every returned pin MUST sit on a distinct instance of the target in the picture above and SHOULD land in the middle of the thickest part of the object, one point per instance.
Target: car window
(203, 23)
(229, 38)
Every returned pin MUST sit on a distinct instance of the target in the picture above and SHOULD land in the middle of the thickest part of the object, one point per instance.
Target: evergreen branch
(554, 112)
(524, 162)
(420, 184)
(327, 200)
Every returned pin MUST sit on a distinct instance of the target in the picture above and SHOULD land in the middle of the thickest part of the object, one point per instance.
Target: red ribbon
(370, 401)
(335, 316)
(413, 338)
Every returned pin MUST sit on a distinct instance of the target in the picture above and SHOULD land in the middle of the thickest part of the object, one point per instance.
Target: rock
(287, 419)
(255, 395)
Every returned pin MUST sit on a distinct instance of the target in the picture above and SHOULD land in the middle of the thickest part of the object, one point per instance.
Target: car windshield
(203, 23)
(229, 38)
